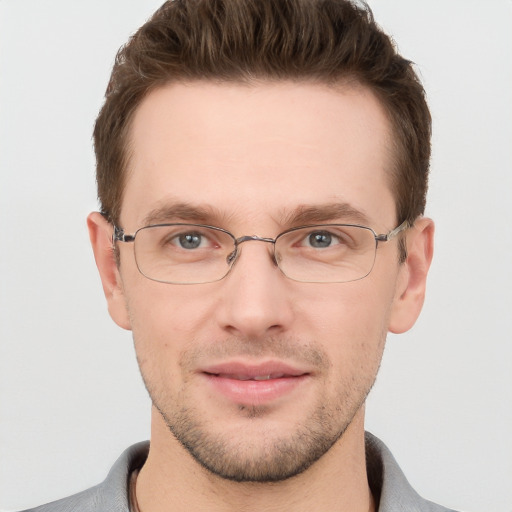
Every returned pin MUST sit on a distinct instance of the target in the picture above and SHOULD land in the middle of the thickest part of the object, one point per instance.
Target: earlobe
(100, 234)
(410, 292)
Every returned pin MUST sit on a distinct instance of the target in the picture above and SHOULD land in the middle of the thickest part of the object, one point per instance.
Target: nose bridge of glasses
(248, 238)
(253, 238)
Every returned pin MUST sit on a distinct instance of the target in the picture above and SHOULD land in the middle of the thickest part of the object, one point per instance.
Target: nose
(256, 299)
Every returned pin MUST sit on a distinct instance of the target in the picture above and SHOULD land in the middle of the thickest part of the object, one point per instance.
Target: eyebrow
(330, 212)
(302, 215)
(185, 212)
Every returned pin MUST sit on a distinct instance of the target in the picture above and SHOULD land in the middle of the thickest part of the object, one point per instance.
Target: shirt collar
(391, 490)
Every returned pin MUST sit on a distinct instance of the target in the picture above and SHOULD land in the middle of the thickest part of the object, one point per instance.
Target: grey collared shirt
(391, 489)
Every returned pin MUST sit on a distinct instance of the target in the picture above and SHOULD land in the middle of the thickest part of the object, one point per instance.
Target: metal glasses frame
(120, 236)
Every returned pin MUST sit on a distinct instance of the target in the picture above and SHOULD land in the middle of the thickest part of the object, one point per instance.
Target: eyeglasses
(196, 253)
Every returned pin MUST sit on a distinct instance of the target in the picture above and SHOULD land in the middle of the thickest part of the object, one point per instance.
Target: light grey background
(71, 397)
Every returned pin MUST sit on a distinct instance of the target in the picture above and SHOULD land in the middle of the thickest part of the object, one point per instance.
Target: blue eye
(320, 239)
(190, 240)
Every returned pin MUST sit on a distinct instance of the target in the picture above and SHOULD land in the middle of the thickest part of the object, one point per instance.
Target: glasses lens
(327, 253)
(183, 253)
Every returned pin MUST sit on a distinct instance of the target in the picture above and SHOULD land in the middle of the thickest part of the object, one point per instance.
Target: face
(256, 375)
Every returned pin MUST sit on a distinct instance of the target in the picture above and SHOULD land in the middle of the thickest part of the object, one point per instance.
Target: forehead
(247, 151)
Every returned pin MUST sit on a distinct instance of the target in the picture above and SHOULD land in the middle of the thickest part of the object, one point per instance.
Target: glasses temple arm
(120, 236)
(385, 238)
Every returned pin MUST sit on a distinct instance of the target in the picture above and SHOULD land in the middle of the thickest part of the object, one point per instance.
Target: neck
(172, 480)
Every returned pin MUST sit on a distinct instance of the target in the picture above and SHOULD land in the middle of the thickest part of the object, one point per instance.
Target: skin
(252, 156)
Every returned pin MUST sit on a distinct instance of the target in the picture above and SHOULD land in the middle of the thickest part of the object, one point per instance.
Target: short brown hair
(326, 41)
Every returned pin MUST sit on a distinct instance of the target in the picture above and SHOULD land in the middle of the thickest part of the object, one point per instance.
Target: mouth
(247, 384)
(244, 376)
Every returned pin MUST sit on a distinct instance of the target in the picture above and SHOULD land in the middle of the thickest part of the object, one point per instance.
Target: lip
(254, 384)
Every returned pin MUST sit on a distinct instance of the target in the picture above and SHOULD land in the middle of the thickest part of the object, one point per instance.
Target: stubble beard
(269, 458)
(266, 455)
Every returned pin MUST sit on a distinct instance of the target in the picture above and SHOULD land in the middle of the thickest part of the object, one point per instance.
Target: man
(262, 170)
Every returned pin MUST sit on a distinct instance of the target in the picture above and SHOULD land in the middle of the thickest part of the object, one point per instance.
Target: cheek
(166, 321)
(166, 311)
(357, 308)
(158, 344)
(350, 321)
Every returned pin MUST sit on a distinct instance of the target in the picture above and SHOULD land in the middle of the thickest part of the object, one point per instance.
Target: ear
(410, 291)
(100, 234)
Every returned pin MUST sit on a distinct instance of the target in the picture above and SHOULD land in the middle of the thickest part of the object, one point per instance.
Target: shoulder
(111, 494)
(389, 484)
(85, 501)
